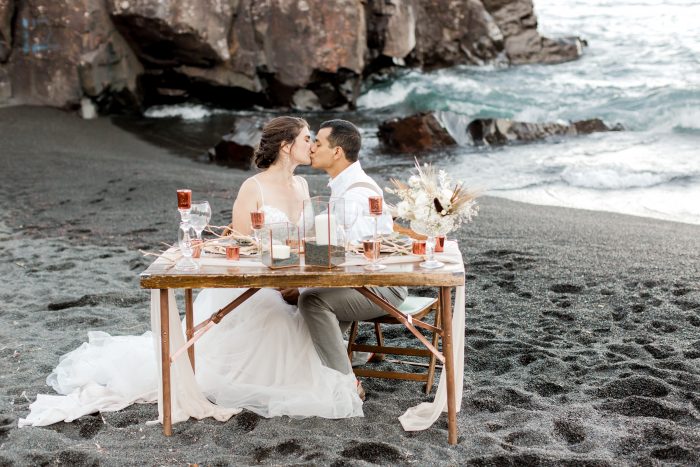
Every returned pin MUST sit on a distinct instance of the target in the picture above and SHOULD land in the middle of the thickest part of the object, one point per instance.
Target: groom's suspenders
(368, 185)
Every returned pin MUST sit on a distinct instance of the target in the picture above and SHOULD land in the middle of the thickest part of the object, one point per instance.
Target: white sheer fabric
(259, 357)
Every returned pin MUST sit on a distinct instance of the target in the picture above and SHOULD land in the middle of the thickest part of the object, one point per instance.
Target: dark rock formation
(7, 10)
(418, 132)
(175, 32)
(61, 54)
(305, 54)
(424, 131)
(434, 130)
(464, 32)
(236, 148)
(499, 131)
(523, 44)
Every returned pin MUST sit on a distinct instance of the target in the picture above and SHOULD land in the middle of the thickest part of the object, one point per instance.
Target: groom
(328, 312)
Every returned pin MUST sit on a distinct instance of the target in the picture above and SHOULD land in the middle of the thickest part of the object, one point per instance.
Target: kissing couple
(282, 351)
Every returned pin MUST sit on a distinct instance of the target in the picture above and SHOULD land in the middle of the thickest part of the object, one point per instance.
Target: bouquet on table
(433, 204)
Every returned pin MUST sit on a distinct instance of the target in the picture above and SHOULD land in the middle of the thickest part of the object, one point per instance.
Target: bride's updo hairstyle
(276, 133)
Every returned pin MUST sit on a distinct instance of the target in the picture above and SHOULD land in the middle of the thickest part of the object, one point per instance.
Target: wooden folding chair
(417, 307)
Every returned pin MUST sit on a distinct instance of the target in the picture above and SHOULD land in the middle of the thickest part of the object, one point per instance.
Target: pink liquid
(197, 248)
(371, 249)
(233, 252)
(257, 219)
(439, 244)
(418, 247)
(375, 205)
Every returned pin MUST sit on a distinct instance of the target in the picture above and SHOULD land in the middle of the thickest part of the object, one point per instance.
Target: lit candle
(322, 223)
(257, 219)
(280, 251)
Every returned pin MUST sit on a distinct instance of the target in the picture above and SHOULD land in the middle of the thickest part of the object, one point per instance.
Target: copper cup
(233, 251)
(375, 205)
(439, 244)
(418, 247)
(184, 199)
(197, 248)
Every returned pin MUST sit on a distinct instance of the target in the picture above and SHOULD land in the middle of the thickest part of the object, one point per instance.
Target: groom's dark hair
(346, 135)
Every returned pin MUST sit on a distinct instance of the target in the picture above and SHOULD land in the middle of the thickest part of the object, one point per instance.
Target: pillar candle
(321, 224)
(280, 252)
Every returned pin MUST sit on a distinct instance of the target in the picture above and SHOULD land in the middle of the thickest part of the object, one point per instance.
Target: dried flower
(431, 200)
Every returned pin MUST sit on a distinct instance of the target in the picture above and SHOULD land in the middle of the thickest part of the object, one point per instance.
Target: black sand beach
(582, 339)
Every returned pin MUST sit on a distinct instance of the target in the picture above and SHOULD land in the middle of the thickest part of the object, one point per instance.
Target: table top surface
(221, 273)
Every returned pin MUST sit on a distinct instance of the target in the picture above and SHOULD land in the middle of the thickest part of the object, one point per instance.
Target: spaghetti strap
(303, 181)
(262, 198)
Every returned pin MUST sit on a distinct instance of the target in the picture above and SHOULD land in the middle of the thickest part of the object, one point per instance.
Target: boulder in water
(500, 131)
(420, 132)
(237, 147)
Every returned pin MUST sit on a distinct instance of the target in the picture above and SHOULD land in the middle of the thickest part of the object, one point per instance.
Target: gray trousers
(329, 312)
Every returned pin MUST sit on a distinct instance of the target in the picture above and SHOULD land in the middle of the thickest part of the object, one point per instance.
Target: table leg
(446, 311)
(189, 322)
(165, 361)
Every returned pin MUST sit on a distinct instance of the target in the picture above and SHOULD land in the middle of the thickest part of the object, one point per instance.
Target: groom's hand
(290, 296)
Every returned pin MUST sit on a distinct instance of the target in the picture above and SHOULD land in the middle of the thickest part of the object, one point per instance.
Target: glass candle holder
(280, 245)
(323, 236)
(184, 199)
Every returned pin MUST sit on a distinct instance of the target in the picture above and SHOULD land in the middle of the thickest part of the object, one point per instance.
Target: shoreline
(581, 343)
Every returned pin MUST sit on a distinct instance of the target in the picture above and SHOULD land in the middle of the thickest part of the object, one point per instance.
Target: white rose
(422, 199)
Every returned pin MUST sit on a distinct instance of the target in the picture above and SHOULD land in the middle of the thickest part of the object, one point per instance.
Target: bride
(260, 357)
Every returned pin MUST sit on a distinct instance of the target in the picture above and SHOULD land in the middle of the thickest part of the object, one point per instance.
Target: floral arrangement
(432, 202)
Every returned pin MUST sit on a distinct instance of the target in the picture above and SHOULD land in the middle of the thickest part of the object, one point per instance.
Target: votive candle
(233, 252)
(418, 247)
(257, 219)
(439, 243)
(375, 205)
(184, 199)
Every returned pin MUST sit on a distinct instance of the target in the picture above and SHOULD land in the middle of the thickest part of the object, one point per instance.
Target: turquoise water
(641, 69)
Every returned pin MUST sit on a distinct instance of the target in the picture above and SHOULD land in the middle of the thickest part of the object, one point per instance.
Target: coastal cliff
(305, 54)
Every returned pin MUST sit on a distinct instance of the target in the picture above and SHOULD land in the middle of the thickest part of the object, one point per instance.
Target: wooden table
(163, 276)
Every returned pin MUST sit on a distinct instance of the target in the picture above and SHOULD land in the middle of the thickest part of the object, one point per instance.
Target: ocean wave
(618, 178)
(386, 96)
(183, 111)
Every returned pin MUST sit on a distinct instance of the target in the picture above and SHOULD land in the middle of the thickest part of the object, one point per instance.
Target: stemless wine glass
(257, 220)
(370, 248)
(200, 215)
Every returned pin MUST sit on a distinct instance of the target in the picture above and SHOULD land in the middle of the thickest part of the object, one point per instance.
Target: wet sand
(582, 339)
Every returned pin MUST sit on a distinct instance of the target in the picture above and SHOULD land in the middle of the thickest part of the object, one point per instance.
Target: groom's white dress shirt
(342, 186)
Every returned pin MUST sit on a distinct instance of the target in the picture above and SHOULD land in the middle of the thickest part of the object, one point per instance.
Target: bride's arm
(247, 200)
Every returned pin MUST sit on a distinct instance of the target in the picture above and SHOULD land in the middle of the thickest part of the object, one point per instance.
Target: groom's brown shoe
(361, 391)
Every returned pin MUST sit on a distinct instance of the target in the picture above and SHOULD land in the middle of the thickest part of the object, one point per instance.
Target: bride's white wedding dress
(260, 357)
